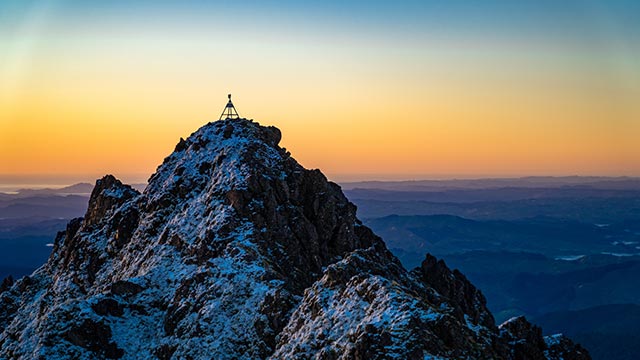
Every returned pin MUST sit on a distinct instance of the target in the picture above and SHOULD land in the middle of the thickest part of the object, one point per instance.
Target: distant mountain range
(531, 182)
(75, 189)
(541, 183)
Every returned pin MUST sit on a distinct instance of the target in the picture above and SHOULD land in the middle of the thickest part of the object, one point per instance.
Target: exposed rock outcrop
(525, 341)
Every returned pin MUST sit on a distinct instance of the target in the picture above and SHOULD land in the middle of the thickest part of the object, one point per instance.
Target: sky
(360, 89)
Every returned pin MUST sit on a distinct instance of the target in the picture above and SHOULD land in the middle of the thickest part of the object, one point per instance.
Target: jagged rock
(468, 301)
(181, 146)
(235, 251)
(6, 283)
(527, 343)
(561, 347)
(108, 194)
(389, 314)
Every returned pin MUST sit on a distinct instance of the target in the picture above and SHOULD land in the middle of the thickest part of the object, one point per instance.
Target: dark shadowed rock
(6, 283)
(125, 288)
(108, 307)
(182, 145)
(561, 347)
(467, 300)
(527, 343)
(95, 337)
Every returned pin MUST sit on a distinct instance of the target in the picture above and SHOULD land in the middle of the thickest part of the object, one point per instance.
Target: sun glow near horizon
(97, 90)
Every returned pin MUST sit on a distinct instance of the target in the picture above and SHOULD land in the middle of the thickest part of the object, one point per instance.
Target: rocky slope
(235, 251)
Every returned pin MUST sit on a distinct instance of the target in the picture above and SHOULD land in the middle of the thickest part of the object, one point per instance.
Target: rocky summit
(235, 251)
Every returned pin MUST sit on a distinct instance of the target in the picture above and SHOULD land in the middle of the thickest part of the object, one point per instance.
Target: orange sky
(367, 104)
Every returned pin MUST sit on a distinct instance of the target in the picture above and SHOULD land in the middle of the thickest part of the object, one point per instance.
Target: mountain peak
(234, 250)
(221, 155)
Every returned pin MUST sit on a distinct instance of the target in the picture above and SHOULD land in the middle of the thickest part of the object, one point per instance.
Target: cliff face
(236, 251)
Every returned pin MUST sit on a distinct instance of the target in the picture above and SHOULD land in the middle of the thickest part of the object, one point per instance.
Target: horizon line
(14, 182)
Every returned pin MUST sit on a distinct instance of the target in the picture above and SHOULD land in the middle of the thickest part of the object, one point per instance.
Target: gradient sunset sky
(360, 89)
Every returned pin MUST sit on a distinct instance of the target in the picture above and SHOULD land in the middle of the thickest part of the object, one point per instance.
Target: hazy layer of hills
(532, 182)
(81, 189)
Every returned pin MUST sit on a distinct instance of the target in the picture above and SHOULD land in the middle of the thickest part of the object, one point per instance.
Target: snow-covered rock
(235, 251)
